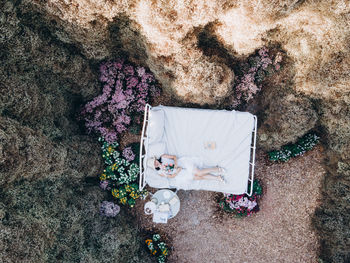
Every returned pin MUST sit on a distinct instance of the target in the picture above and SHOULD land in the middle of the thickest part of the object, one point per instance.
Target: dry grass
(314, 34)
(280, 232)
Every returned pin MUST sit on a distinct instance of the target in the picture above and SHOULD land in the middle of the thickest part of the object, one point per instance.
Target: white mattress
(185, 132)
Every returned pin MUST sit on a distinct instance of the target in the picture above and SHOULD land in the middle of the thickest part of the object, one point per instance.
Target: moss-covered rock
(332, 218)
(57, 220)
(47, 211)
(286, 117)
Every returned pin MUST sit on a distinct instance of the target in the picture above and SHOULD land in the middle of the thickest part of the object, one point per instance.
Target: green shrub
(304, 144)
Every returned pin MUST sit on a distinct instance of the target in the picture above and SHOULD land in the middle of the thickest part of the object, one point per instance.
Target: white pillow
(155, 128)
(156, 149)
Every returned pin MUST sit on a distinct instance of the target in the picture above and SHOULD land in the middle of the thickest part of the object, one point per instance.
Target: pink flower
(123, 94)
(129, 70)
(263, 52)
(110, 137)
(118, 96)
(132, 82)
(141, 71)
(118, 64)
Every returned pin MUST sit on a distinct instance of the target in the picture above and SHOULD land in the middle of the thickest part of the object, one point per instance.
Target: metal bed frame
(145, 141)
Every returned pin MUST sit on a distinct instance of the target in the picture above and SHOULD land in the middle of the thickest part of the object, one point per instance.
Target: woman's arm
(176, 173)
(168, 156)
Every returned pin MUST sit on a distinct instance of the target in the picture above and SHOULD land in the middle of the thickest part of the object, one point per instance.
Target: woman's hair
(159, 160)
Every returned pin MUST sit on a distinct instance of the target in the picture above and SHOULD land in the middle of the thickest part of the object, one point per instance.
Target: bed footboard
(252, 159)
(144, 139)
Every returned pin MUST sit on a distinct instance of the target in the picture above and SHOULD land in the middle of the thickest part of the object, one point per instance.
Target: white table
(174, 208)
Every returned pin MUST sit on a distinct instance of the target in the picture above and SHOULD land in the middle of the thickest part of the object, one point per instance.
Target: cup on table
(149, 208)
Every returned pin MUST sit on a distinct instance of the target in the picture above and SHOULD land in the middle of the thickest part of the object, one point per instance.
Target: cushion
(155, 128)
(156, 149)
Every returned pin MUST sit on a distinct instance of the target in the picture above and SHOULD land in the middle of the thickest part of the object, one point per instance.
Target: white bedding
(185, 132)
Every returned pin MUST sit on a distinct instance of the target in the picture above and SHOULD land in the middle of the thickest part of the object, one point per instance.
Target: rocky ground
(280, 232)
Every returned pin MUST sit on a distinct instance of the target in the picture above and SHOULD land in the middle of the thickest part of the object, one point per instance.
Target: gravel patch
(280, 232)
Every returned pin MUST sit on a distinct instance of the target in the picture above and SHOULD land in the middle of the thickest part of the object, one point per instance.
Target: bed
(217, 137)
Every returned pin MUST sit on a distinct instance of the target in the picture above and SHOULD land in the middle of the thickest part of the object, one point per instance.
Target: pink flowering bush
(242, 205)
(249, 78)
(126, 90)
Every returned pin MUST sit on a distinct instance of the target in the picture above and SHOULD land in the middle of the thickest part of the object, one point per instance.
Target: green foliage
(304, 144)
(257, 188)
(120, 175)
(260, 75)
(136, 149)
(135, 129)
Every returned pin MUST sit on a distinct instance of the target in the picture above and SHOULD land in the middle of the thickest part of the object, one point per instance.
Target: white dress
(185, 177)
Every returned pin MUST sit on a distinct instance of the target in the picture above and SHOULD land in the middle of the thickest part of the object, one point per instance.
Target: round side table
(165, 196)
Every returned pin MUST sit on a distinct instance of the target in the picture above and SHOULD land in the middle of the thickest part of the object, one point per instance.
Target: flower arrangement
(109, 209)
(120, 175)
(169, 168)
(249, 77)
(242, 205)
(304, 144)
(126, 90)
(157, 247)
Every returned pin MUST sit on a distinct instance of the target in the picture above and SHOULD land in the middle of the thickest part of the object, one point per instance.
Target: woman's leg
(206, 176)
(206, 171)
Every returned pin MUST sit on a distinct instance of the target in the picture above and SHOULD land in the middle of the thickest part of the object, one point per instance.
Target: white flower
(251, 205)
(234, 205)
(243, 202)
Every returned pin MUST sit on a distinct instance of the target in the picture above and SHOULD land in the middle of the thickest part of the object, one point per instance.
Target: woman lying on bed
(184, 169)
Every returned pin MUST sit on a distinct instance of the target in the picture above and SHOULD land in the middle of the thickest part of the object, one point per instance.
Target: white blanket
(186, 133)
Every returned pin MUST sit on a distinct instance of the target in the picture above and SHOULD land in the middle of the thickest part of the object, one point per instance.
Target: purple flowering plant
(109, 209)
(104, 185)
(128, 154)
(250, 76)
(126, 90)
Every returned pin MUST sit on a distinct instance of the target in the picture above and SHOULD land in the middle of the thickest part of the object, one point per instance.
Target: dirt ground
(280, 232)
